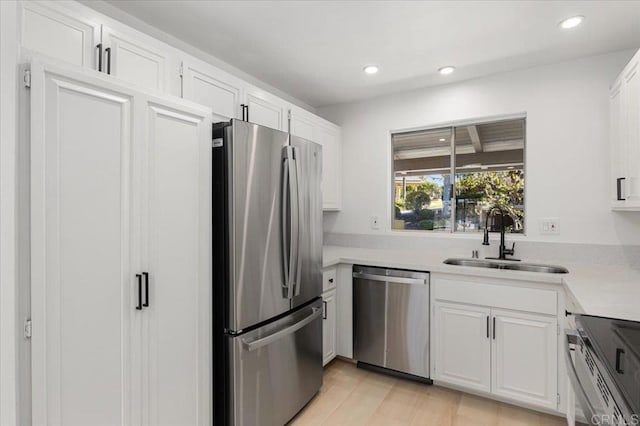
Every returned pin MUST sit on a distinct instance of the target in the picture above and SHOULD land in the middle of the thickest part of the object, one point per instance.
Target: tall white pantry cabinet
(121, 280)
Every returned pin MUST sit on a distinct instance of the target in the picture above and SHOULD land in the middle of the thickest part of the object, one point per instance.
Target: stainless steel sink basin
(476, 263)
(530, 267)
(527, 267)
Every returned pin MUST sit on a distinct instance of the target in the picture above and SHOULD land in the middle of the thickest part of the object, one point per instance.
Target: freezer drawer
(277, 368)
(391, 319)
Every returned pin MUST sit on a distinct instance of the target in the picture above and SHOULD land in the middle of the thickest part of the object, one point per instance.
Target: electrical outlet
(375, 222)
(549, 226)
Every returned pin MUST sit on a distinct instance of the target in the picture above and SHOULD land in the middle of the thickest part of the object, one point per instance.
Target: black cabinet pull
(324, 310)
(487, 326)
(494, 328)
(330, 280)
(107, 51)
(619, 189)
(99, 47)
(139, 278)
(146, 289)
(247, 107)
(619, 354)
(243, 116)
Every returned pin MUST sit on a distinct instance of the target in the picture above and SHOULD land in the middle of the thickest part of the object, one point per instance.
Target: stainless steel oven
(603, 364)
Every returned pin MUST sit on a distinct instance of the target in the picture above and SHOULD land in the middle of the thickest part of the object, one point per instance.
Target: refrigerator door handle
(264, 341)
(297, 213)
(285, 221)
(290, 220)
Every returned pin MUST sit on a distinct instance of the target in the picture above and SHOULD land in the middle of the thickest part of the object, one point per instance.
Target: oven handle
(573, 338)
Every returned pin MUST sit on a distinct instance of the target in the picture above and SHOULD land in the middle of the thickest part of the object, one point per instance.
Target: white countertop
(610, 291)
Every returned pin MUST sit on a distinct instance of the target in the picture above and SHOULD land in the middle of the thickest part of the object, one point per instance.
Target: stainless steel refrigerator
(267, 278)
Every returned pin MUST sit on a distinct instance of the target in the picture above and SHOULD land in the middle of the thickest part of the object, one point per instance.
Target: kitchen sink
(527, 267)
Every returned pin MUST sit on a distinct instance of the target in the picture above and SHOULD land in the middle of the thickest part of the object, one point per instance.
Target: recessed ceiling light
(446, 70)
(572, 22)
(371, 69)
(442, 139)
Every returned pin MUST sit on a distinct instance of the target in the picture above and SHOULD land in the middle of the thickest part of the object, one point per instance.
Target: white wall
(567, 153)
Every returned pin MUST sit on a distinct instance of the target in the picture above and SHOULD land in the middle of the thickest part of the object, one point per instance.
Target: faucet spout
(503, 251)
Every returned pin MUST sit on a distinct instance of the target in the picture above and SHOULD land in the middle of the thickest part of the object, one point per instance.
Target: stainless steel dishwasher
(391, 320)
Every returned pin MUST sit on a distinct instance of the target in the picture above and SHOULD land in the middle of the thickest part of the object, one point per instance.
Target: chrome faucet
(503, 251)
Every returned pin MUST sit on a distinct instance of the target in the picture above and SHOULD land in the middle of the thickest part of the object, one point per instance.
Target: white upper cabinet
(52, 31)
(303, 124)
(207, 85)
(136, 59)
(625, 137)
(328, 135)
(265, 109)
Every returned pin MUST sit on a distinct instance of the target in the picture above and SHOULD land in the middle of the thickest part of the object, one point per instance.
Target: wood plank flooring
(352, 396)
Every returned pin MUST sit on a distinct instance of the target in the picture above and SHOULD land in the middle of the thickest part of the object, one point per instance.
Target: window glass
(488, 169)
(422, 180)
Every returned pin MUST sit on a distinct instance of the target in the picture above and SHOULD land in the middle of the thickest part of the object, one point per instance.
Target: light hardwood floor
(352, 396)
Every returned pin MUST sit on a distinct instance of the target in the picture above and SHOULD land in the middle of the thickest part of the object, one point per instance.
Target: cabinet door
(618, 149)
(208, 86)
(329, 138)
(329, 326)
(524, 357)
(631, 128)
(302, 124)
(177, 325)
(84, 243)
(134, 60)
(462, 345)
(53, 31)
(266, 109)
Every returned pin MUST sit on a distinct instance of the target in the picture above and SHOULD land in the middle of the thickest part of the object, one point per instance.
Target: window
(447, 179)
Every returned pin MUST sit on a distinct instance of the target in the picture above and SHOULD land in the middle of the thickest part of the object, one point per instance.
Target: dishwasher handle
(385, 278)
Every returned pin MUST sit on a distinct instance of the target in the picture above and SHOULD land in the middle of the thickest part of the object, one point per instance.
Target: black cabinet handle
(330, 280)
(619, 354)
(324, 310)
(243, 116)
(139, 278)
(619, 189)
(487, 326)
(494, 328)
(146, 289)
(107, 51)
(99, 47)
(247, 107)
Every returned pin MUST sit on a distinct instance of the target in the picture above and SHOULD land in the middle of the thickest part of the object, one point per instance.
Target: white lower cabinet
(512, 354)
(329, 325)
(463, 345)
(120, 230)
(524, 357)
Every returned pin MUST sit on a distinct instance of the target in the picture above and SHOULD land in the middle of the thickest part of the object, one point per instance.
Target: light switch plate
(549, 226)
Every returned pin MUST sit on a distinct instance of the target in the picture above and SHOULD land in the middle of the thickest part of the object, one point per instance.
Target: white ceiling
(315, 50)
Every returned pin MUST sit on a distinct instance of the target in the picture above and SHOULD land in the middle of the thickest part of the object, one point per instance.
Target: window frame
(452, 125)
